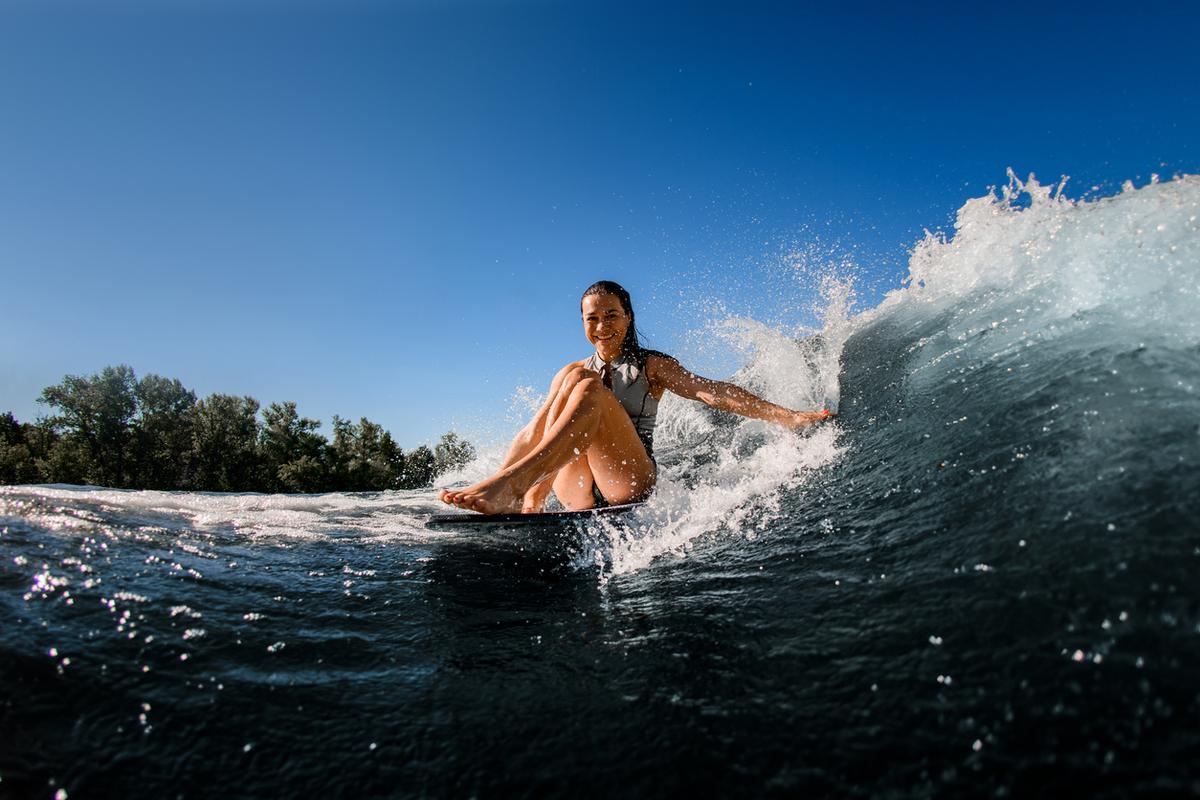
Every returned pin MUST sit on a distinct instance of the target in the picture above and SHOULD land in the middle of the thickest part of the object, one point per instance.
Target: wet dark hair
(631, 346)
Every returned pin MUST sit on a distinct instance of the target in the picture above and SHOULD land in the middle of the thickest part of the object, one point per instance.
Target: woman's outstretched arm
(669, 374)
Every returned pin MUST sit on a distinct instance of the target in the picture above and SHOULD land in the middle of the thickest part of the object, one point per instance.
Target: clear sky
(390, 209)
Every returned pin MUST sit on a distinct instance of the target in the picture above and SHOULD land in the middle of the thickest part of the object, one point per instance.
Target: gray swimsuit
(632, 389)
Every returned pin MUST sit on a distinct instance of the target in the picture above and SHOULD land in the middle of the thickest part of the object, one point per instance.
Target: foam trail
(261, 518)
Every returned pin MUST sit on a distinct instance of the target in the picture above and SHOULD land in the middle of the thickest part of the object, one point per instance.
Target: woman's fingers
(803, 418)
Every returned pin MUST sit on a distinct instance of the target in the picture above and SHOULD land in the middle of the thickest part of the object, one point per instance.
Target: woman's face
(605, 324)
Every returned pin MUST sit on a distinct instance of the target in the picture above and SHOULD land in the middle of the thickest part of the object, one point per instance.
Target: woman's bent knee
(589, 385)
(577, 376)
(571, 378)
(581, 373)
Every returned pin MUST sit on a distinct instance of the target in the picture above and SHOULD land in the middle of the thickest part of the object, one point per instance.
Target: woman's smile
(605, 324)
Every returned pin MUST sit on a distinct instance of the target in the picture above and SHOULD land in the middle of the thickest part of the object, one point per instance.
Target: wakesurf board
(547, 518)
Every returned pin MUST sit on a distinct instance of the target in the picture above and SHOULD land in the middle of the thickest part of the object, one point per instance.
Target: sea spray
(1032, 250)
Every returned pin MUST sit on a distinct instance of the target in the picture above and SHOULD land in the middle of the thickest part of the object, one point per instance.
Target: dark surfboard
(473, 520)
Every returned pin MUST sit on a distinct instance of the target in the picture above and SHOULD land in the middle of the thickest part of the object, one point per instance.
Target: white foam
(261, 517)
(738, 494)
(1028, 247)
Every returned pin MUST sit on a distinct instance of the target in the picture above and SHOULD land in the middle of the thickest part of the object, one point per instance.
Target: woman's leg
(573, 485)
(535, 498)
(532, 434)
(574, 482)
(591, 426)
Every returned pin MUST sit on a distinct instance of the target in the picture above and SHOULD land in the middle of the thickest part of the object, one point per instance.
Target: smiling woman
(595, 433)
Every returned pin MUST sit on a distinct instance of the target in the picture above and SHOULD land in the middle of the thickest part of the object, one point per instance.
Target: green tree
(293, 454)
(10, 429)
(162, 434)
(95, 414)
(114, 430)
(67, 461)
(225, 444)
(40, 438)
(418, 469)
(387, 464)
(364, 457)
(17, 463)
(452, 453)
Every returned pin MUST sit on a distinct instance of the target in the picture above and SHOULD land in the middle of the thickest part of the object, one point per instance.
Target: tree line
(114, 429)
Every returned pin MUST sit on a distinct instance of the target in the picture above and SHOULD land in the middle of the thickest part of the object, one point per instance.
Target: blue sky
(390, 209)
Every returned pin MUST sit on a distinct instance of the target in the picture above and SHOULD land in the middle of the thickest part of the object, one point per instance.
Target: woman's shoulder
(649, 357)
(653, 364)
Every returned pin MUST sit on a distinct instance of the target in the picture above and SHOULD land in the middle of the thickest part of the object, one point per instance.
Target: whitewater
(980, 580)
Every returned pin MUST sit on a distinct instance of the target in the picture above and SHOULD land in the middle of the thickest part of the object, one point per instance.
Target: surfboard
(473, 520)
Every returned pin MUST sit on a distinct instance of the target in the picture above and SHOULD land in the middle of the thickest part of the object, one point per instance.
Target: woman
(595, 433)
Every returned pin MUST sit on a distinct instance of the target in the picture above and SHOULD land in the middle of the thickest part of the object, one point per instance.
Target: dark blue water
(980, 582)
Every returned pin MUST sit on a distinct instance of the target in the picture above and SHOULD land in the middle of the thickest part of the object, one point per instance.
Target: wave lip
(1133, 255)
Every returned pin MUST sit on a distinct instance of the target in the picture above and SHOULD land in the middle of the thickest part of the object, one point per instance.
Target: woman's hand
(802, 419)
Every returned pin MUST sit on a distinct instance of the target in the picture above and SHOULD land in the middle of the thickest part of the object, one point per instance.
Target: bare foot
(535, 498)
(496, 495)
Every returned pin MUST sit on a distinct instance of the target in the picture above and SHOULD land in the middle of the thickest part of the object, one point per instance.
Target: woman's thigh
(573, 485)
(617, 460)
